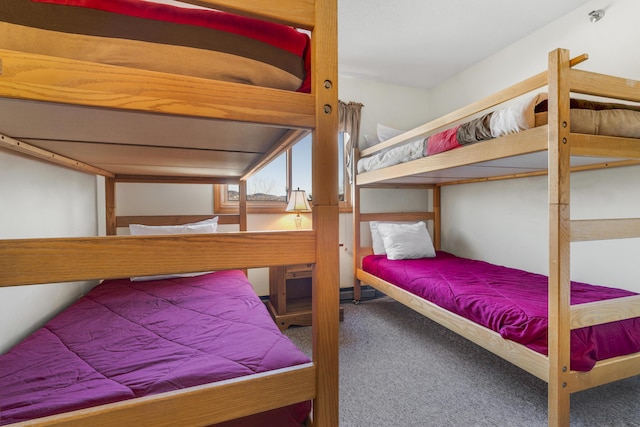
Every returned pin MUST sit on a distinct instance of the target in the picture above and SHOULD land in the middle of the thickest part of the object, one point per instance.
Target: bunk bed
(135, 121)
(555, 148)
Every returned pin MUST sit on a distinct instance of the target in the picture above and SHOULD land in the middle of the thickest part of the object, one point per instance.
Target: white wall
(40, 200)
(506, 222)
(399, 107)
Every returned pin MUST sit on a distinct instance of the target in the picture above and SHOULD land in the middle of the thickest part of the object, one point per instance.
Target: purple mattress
(129, 339)
(509, 301)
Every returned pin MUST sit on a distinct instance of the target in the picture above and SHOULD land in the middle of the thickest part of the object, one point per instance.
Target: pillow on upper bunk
(386, 132)
(201, 227)
(406, 241)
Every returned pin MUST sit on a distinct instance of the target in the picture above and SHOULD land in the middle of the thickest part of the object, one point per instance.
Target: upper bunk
(191, 92)
(134, 124)
(143, 125)
(524, 128)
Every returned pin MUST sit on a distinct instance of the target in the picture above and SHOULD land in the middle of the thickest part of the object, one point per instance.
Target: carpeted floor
(398, 368)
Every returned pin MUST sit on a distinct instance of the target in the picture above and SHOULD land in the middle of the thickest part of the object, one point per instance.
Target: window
(267, 189)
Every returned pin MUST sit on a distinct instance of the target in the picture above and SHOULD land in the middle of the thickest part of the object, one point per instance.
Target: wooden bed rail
(518, 89)
(201, 405)
(604, 372)
(34, 261)
(33, 151)
(598, 312)
(66, 81)
(604, 229)
(289, 12)
(125, 221)
(397, 216)
(590, 83)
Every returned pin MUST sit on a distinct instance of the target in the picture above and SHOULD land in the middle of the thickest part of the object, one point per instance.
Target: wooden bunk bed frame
(52, 260)
(560, 143)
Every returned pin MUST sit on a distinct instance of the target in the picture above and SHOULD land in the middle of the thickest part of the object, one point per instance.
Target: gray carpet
(398, 368)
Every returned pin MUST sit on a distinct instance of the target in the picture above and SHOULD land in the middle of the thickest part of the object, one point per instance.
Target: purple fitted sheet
(508, 301)
(129, 339)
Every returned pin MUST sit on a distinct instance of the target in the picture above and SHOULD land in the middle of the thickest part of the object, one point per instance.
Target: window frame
(222, 204)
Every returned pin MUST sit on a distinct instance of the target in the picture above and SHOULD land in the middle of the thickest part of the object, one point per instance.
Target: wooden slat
(599, 312)
(604, 146)
(125, 221)
(66, 81)
(33, 151)
(297, 13)
(286, 142)
(582, 168)
(602, 229)
(521, 88)
(397, 216)
(590, 83)
(197, 406)
(529, 141)
(409, 186)
(32, 261)
(605, 371)
(532, 362)
(155, 179)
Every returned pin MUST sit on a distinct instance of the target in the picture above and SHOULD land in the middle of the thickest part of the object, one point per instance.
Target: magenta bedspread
(509, 301)
(128, 339)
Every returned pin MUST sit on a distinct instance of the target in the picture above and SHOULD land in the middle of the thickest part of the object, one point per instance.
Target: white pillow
(376, 239)
(406, 241)
(386, 132)
(201, 227)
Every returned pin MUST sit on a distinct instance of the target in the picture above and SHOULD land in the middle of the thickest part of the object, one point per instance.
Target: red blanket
(191, 41)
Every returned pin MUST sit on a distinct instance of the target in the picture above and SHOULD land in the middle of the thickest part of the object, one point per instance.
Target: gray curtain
(349, 114)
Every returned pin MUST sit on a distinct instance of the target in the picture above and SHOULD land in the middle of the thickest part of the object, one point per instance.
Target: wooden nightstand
(290, 295)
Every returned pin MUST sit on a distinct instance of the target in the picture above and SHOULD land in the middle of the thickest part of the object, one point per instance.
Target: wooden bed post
(242, 206)
(110, 205)
(326, 274)
(559, 239)
(355, 204)
(436, 217)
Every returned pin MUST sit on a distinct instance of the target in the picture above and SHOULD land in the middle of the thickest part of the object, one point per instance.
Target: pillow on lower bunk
(405, 241)
(201, 227)
(376, 239)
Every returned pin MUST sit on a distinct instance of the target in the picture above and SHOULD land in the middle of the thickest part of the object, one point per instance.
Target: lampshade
(298, 201)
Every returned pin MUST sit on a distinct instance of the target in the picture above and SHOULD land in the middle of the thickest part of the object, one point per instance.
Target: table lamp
(298, 203)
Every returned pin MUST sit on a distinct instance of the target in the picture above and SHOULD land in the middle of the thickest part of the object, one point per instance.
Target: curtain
(349, 115)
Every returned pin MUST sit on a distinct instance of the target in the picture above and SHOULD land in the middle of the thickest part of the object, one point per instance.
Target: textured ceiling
(420, 43)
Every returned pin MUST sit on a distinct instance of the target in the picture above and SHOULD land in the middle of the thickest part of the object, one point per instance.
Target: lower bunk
(127, 339)
(510, 302)
(505, 311)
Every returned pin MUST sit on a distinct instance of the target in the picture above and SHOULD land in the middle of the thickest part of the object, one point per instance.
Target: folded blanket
(519, 117)
(586, 117)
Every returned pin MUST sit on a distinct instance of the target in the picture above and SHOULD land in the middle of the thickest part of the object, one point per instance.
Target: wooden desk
(290, 295)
